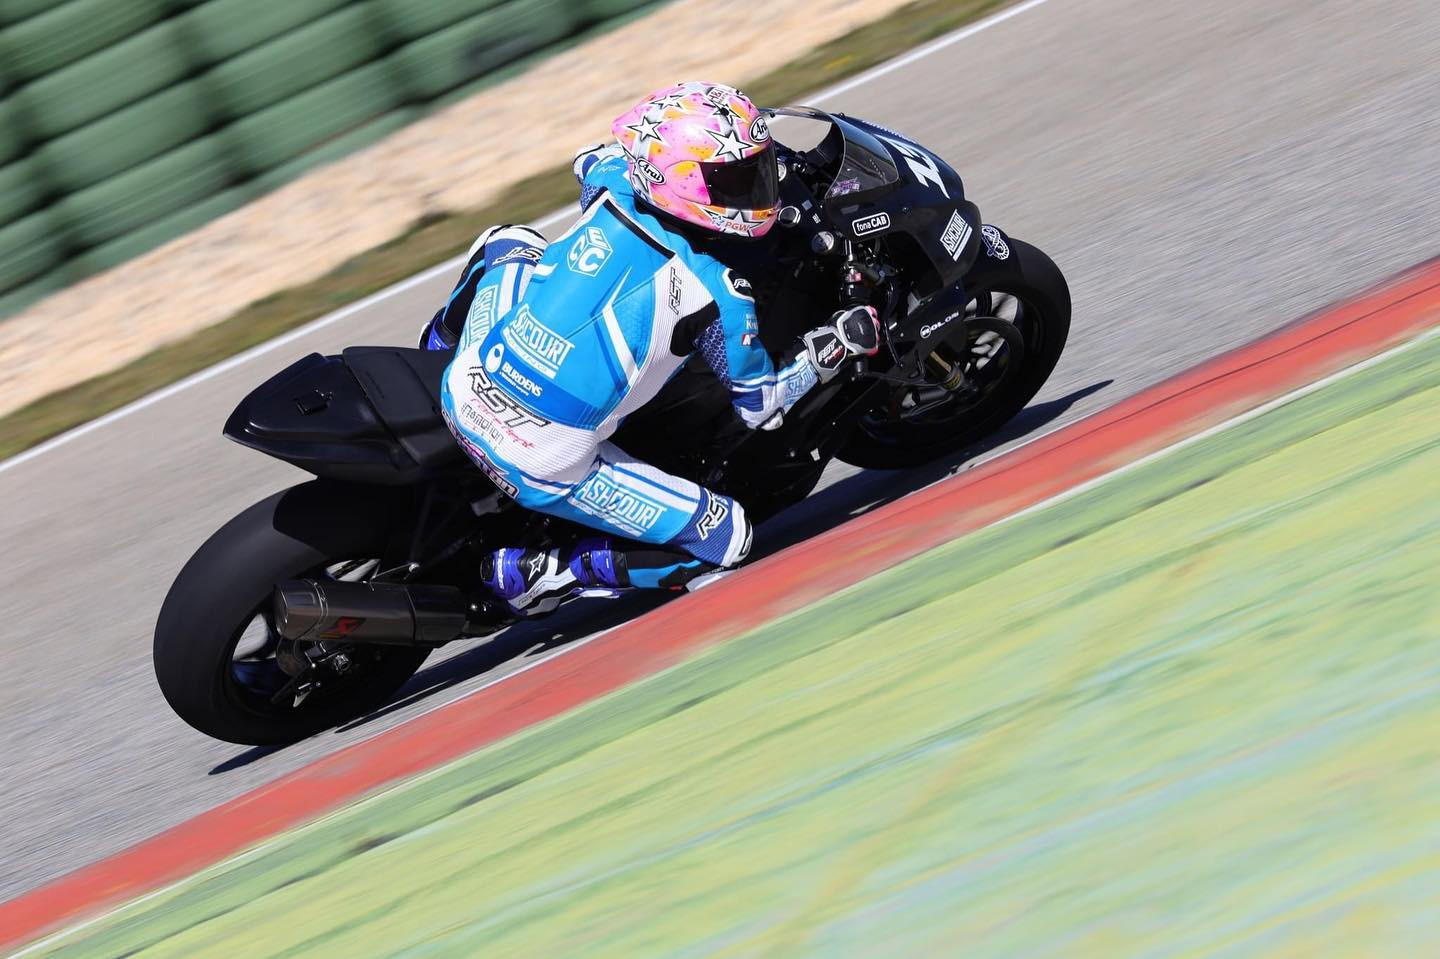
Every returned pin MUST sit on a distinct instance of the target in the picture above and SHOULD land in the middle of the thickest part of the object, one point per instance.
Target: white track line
(265, 844)
(260, 349)
(1054, 500)
(345, 312)
(1233, 421)
(919, 53)
(331, 318)
(226, 365)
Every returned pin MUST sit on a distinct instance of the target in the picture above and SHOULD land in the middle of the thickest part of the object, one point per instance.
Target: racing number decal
(921, 164)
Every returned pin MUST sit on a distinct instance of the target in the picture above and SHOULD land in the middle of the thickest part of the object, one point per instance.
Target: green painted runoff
(1191, 711)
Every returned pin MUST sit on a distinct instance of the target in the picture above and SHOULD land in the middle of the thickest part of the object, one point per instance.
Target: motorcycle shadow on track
(514, 648)
(867, 490)
(852, 496)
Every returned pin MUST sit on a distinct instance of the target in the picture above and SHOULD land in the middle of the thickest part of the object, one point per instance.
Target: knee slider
(507, 236)
(514, 244)
(481, 240)
(520, 234)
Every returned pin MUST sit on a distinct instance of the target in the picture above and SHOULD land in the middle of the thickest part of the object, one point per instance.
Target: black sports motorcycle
(316, 604)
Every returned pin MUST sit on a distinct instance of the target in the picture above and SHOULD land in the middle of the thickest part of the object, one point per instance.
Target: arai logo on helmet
(873, 223)
(494, 357)
(649, 170)
(759, 129)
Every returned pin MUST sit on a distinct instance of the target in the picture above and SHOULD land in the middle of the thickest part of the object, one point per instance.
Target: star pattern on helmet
(729, 144)
(736, 221)
(646, 130)
(724, 111)
(671, 100)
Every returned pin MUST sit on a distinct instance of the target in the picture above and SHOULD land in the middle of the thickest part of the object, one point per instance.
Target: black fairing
(371, 415)
(921, 204)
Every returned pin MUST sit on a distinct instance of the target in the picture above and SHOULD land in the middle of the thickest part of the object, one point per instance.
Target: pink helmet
(702, 152)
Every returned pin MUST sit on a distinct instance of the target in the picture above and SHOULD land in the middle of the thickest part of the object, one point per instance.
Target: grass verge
(1189, 711)
(436, 238)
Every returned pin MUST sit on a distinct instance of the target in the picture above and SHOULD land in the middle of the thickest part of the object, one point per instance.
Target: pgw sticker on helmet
(587, 255)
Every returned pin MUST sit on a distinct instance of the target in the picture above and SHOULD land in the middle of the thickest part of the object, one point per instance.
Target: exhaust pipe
(393, 614)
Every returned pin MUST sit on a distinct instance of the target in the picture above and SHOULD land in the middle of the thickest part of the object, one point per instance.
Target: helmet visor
(749, 184)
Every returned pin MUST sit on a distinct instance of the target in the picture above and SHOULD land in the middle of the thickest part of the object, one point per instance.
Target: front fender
(993, 259)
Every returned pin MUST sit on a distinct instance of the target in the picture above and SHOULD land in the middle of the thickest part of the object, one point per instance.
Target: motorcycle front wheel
(1015, 330)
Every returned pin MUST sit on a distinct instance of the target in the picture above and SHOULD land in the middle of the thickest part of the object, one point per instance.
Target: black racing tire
(1037, 283)
(231, 577)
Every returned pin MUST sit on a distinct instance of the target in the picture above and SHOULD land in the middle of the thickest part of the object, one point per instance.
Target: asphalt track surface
(1202, 173)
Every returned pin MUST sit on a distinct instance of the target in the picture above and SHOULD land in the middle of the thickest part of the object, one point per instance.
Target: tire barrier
(125, 123)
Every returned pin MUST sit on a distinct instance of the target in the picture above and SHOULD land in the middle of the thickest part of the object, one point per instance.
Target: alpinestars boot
(531, 581)
(535, 581)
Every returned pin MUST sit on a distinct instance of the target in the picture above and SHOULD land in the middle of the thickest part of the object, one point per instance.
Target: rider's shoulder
(625, 221)
(719, 279)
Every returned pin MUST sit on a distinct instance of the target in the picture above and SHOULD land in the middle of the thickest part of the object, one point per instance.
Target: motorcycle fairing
(370, 415)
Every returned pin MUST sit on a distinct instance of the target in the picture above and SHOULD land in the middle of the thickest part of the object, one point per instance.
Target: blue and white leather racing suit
(561, 342)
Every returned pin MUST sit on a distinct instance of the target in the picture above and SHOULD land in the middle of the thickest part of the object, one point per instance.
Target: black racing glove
(850, 333)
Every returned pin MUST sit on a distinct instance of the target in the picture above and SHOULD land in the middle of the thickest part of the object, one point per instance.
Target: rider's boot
(531, 581)
(597, 565)
(536, 581)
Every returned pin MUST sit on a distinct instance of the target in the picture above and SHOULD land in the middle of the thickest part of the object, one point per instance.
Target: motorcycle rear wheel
(221, 600)
(916, 429)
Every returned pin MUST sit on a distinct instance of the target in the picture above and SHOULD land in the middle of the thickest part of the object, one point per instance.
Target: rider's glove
(587, 157)
(850, 333)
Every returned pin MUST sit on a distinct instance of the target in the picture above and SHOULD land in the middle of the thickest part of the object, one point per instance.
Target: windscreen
(865, 164)
(855, 160)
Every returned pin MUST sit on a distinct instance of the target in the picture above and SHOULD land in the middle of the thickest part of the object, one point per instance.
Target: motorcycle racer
(556, 343)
